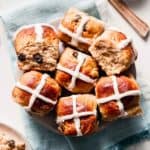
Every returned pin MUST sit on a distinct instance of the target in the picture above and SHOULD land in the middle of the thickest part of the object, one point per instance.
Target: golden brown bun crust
(50, 90)
(109, 57)
(27, 48)
(110, 110)
(71, 21)
(89, 68)
(85, 102)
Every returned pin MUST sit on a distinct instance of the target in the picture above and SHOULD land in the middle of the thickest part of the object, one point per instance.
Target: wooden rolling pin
(139, 25)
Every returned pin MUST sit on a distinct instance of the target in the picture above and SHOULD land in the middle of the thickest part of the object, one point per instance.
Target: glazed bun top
(77, 72)
(69, 59)
(37, 92)
(77, 114)
(104, 87)
(84, 103)
(35, 33)
(37, 47)
(78, 29)
(117, 96)
(72, 19)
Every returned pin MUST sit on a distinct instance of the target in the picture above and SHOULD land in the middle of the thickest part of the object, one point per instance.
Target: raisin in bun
(118, 97)
(37, 47)
(78, 29)
(77, 72)
(76, 115)
(113, 51)
(36, 92)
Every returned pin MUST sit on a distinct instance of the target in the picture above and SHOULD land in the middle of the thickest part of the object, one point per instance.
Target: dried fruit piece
(38, 58)
(22, 57)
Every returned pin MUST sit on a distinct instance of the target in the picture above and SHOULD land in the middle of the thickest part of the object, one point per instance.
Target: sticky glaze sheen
(36, 93)
(75, 116)
(39, 25)
(118, 96)
(76, 73)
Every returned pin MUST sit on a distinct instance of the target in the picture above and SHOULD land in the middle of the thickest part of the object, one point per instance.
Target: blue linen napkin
(40, 137)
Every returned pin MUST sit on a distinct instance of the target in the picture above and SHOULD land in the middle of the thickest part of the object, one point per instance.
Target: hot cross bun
(77, 72)
(78, 29)
(36, 92)
(37, 47)
(118, 96)
(113, 52)
(77, 115)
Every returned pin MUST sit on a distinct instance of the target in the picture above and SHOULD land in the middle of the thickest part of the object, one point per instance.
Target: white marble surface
(141, 7)
(9, 109)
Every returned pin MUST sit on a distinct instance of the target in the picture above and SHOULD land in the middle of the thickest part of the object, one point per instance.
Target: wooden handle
(140, 26)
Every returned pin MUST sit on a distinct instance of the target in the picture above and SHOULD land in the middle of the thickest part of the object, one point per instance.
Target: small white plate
(13, 134)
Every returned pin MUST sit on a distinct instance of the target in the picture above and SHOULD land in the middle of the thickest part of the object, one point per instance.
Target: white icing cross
(124, 43)
(79, 30)
(77, 36)
(118, 96)
(36, 92)
(76, 74)
(39, 33)
(75, 116)
(116, 91)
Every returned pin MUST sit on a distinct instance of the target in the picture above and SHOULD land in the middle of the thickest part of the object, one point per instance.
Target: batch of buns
(80, 80)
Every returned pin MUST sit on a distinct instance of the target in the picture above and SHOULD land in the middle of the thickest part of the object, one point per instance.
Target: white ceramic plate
(13, 134)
